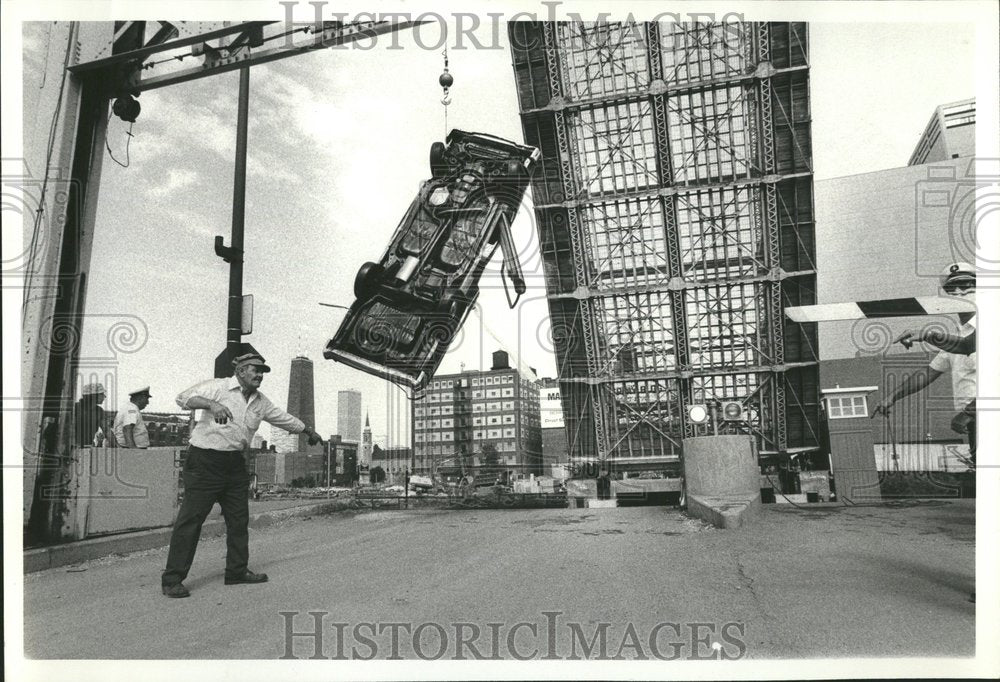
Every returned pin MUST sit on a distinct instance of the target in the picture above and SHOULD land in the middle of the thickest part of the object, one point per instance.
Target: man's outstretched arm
(950, 343)
(912, 383)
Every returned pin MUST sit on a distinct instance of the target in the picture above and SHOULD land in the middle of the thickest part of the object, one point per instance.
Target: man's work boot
(176, 591)
(249, 577)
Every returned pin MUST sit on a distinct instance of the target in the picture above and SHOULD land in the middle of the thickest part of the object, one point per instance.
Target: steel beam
(52, 324)
(655, 88)
(240, 54)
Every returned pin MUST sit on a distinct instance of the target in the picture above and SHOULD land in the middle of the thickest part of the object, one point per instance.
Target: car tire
(438, 162)
(367, 280)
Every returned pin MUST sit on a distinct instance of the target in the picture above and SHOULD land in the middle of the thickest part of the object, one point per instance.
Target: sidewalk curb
(43, 558)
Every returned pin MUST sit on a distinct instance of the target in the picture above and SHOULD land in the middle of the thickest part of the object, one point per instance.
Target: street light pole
(233, 254)
(235, 326)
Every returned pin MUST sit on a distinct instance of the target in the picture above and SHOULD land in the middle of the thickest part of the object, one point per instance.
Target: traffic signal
(732, 411)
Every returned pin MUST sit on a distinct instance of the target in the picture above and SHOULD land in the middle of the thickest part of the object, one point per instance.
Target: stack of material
(585, 487)
(546, 484)
(815, 482)
(527, 487)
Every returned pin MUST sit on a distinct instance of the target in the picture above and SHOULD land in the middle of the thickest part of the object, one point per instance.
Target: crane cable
(446, 80)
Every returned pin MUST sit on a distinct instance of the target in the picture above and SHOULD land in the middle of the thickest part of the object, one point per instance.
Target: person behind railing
(91, 426)
(129, 427)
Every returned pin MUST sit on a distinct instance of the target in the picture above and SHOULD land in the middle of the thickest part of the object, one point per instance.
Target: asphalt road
(582, 583)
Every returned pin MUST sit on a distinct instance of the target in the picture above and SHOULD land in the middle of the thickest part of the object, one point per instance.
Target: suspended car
(411, 303)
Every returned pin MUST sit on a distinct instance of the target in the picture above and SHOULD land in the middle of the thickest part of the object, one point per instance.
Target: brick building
(460, 414)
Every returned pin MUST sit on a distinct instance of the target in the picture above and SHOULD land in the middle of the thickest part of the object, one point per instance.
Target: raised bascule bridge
(674, 204)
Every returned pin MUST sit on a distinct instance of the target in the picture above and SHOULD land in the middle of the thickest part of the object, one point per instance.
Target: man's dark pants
(211, 476)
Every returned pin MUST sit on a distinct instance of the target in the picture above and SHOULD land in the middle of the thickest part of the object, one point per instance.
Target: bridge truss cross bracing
(675, 216)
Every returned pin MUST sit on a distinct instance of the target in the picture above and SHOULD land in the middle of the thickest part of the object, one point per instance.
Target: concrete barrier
(722, 479)
(42, 558)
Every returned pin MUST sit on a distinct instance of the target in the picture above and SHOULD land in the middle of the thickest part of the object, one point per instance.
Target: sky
(338, 143)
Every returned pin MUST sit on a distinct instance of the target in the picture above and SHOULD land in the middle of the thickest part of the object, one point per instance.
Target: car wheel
(439, 165)
(367, 280)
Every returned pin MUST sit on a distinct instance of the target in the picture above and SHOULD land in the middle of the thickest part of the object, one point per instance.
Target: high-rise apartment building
(349, 415)
(301, 401)
(461, 414)
(950, 134)
(675, 217)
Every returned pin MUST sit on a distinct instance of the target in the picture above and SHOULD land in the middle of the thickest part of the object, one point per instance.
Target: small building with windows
(851, 442)
(847, 403)
(394, 463)
(459, 415)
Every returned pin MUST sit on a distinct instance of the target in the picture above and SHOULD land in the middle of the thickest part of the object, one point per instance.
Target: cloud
(186, 118)
(177, 179)
(270, 167)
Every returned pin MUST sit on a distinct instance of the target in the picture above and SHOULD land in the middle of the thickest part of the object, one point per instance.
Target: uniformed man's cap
(140, 391)
(250, 359)
(958, 277)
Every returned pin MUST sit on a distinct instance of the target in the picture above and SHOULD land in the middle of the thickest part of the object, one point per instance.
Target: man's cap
(140, 391)
(94, 388)
(250, 359)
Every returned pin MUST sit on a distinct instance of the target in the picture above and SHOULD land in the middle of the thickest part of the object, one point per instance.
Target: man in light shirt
(130, 429)
(215, 469)
(956, 353)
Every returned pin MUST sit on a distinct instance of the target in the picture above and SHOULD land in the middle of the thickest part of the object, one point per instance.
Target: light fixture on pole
(698, 413)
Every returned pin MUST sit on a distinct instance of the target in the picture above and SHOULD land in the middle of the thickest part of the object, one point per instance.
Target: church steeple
(366, 441)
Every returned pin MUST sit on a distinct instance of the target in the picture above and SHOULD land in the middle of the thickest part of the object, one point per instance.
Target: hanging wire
(45, 61)
(128, 142)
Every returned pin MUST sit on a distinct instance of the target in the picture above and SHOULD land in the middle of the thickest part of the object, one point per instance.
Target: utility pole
(233, 254)
(329, 452)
